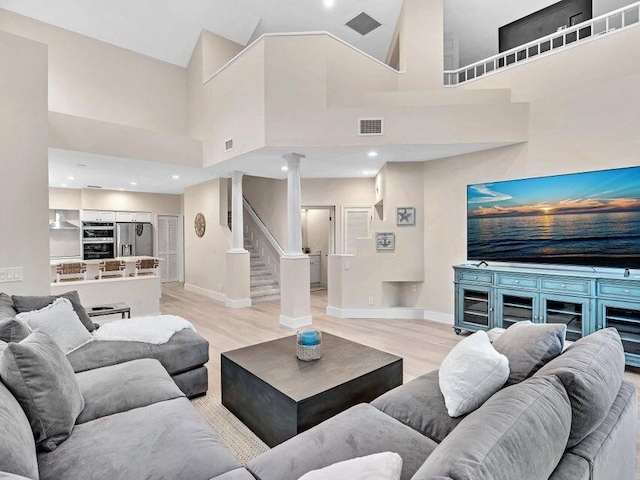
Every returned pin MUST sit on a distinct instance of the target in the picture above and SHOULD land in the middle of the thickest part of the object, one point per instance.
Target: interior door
(168, 248)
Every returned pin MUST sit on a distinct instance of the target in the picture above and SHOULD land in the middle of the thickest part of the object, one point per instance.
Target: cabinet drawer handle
(517, 281)
(626, 291)
(475, 277)
(563, 286)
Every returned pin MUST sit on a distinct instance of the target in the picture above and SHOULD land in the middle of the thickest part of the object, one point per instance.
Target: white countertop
(97, 262)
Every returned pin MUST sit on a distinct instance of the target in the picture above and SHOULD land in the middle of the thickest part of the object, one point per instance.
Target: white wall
(24, 213)
(92, 79)
(591, 128)
(205, 258)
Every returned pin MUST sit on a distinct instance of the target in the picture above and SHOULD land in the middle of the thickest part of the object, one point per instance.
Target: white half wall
(24, 209)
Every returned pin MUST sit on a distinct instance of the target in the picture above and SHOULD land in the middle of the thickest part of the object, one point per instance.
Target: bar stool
(71, 272)
(111, 269)
(144, 267)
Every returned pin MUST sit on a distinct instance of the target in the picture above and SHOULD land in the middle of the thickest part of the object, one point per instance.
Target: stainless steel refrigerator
(134, 239)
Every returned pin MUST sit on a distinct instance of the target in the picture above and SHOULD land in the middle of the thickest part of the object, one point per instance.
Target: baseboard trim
(296, 322)
(220, 297)
(244, 303)
(439, 317)
(397, 313)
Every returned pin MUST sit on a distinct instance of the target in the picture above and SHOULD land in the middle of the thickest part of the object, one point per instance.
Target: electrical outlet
(347, 266)
(10, 274)
(371, 302)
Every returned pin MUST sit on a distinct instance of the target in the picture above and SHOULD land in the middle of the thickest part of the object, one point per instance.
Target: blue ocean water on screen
(599, 239)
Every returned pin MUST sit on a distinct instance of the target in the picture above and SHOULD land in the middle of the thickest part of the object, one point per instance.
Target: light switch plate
(10, 274)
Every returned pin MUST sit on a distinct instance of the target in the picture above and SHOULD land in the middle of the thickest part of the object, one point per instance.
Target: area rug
(244, 444)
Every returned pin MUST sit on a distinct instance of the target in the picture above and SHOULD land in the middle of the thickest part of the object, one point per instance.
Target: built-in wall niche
(379, 210)
(400, 294)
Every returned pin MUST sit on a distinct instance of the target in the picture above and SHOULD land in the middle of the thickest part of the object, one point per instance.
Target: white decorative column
(295, 292)
(237, 213)
(238, 268)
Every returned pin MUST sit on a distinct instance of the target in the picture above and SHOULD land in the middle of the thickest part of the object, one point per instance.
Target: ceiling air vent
(363, 24)
(228, 145)
(94, 186)
(370, 126)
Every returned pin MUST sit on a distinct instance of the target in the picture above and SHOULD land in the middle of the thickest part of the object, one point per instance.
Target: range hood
(61, 223)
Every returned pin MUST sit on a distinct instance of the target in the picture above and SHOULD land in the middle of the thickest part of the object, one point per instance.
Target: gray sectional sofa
(184, 356)
(136, 425)
(575, 419)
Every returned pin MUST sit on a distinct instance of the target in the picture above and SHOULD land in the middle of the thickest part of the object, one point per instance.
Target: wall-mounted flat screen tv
(587, 219)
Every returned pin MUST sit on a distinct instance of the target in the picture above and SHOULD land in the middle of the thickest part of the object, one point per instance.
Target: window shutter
(357, 221)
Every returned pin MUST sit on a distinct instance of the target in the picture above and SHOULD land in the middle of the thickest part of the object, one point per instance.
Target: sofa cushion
(529, 346)
(193, 382)
(591, 370)
(471, 372)
(184, 351)
(357, 432)
(60, 322)
(28, 304)
(379, 466)
(610, 448)
(120, 388)
(572, 467)
(17, 445)
(519, 433)
(11, 476)
(38, 374)
(11, 330)
(419, 404)
(7, 308)
(166, 440)
(237, 474)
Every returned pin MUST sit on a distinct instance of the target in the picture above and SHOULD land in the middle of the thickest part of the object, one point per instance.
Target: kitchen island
(141, 293)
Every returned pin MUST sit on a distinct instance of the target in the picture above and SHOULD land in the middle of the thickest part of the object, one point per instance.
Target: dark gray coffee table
(278, 396)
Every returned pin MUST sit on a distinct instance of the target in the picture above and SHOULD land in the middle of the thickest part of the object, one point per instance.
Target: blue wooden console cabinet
(496, 296)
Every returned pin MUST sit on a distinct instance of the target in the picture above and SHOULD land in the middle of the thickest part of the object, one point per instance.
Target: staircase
(265, 285)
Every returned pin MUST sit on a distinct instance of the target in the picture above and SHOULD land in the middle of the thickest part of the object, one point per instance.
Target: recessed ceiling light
(285, 169)
(133, 183)
(70, 178)
(329, 3)
(64, 184)
(373, 154)
(176, 177)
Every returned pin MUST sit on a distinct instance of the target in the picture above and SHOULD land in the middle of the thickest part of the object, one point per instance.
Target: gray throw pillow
(11, 330)
(529, 346)
(29, 304)
(6, 306)
(519, 433)
(40, 377)
(591, 370)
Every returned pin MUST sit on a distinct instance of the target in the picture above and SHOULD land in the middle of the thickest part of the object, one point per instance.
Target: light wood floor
(422, 344)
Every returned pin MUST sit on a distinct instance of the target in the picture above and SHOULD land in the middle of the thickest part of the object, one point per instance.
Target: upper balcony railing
(593, 29)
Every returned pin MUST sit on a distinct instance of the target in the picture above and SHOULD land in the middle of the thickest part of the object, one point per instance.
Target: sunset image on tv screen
(588, 218)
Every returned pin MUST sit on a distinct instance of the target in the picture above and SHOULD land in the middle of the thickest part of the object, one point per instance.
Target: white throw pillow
(471, 373)
(380, 466)
(60, 322)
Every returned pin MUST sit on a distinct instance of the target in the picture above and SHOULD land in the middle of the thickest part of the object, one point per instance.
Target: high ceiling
(168, 29)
